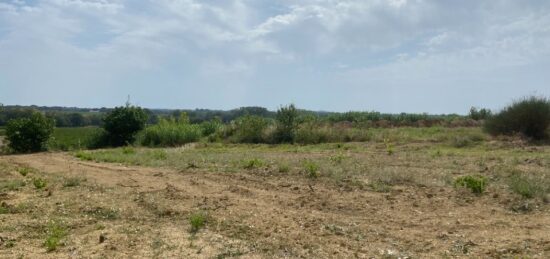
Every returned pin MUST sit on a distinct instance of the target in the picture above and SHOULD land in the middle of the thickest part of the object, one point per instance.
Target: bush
(250, 129)
(29, 134)
(286, 124)
(529, 117)
(476, 184)
(170, 133)
(123, 123)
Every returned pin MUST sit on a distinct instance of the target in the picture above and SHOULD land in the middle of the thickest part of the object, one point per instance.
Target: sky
(434, 56)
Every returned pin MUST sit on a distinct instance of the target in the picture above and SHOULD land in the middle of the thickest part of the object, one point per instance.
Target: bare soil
(133, 212)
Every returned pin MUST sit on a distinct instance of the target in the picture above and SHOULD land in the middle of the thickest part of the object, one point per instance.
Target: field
(71, 138)
(392, 197)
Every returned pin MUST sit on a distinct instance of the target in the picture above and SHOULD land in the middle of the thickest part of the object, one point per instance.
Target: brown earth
(253, 215)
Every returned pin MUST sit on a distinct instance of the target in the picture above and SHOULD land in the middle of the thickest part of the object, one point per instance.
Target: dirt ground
(135, 212)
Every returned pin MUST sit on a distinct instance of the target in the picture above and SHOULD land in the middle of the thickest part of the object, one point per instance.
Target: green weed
(476, 183)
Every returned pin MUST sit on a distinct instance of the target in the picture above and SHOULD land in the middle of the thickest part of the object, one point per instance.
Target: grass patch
(197, 221)
(253, 163)
(102, 213)
(56, 232)
(72, 182)
(476, 183)
(12, 185)
(527, 186)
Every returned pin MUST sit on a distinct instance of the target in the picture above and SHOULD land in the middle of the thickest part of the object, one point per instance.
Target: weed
(337, 159)
(389, 146)
(102, 213)
(72, 182)
(284, 168)
(311, 169)
(253, 163)
(39, 183)
(197, 221)
(56, 231)
(379, 186)
(475, 183)
(525, 186)
(12, 185)
(24, 171)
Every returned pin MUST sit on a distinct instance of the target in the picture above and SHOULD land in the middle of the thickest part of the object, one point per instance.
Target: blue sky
(391, 56)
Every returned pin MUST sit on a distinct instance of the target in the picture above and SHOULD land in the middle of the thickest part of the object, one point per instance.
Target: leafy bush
(286, 124)
(529, 117)
(250, 129)
(170, 133)
(475, 183)
(29, 134)
(123, 123)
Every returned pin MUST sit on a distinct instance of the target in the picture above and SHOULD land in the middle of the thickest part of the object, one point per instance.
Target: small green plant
(526, 186)
(389, 146)
(72, 182)
(284, 168)
(39, 183)
(253, 163)
(24, 171)
(311, 169)
(197, 221)
(476, 183)
(337, 159)
(56, 231)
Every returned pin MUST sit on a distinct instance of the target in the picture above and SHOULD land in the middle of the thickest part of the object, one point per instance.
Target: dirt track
(263, 216)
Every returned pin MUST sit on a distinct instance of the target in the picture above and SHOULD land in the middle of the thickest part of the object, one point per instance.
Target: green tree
(123, 123)
(29, 134)
(250, 129)
(286, 124)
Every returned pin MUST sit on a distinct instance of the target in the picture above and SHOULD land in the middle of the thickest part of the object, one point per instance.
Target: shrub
(250, 129)
(123, 123)
(29, 134)
(529, 117)
(476, 184)
(286, 124)
(170, 133)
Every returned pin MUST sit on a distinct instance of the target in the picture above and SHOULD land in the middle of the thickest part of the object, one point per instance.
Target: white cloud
(82, 44)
